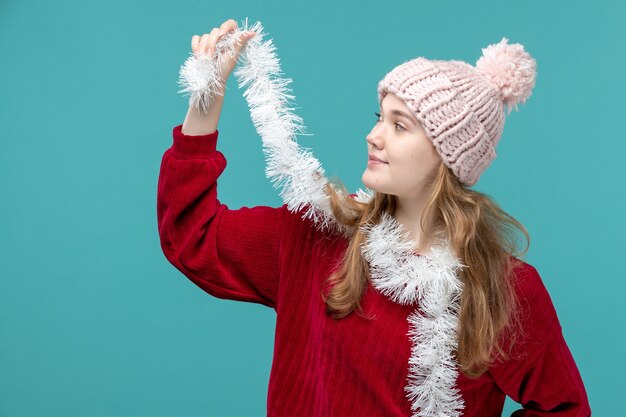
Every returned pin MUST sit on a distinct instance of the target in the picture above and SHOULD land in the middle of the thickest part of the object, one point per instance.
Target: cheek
(405, 158)
(411, 162)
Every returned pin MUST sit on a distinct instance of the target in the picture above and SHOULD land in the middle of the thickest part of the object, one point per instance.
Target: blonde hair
(481, 234)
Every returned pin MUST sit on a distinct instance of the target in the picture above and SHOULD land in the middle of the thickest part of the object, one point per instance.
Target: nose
(374, 138)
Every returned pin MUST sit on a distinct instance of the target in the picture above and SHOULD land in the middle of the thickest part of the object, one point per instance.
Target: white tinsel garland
(289, 165)
(429, 281)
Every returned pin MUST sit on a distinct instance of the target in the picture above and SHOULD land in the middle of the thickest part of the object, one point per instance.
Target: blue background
(93, 319)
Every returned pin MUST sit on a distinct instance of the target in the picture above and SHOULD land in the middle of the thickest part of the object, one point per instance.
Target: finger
(195, 41)
(243, 38)
(227, 26)
(212, 40)
(203, 43)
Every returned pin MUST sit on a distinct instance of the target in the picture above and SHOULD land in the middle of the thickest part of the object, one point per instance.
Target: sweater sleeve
(230, 254)
(541, 374)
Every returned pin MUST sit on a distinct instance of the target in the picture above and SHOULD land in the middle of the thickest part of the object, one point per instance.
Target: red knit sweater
(351, 366)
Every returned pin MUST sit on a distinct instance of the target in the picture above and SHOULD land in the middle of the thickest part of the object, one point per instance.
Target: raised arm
(232, 254)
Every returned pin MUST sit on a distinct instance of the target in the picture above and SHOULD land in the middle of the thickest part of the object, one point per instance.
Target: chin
(372, 185)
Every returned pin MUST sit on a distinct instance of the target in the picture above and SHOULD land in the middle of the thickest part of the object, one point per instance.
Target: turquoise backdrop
(94, 321)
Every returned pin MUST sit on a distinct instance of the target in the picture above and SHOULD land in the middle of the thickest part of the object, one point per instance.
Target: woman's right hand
(206, 43)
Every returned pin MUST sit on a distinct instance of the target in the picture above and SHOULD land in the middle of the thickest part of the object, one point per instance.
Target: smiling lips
(375, 159)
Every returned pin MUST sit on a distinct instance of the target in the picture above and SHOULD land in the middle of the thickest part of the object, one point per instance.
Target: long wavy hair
(482, 236)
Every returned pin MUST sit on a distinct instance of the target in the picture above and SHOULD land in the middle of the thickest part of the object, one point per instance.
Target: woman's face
(400, 141)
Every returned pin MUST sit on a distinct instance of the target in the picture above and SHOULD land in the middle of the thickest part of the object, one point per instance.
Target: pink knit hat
(461, 106)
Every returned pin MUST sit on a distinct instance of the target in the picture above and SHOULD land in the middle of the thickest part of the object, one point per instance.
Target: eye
(397, 124)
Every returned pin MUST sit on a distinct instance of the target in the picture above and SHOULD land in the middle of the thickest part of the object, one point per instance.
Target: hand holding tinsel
(213, 58)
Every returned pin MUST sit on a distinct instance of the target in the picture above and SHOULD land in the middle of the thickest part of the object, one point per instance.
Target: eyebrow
(401, 114)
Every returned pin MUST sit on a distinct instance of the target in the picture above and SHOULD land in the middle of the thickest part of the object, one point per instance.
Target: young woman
(408, 301)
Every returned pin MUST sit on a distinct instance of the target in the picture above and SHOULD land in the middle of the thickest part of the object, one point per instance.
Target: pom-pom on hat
(460, 106)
